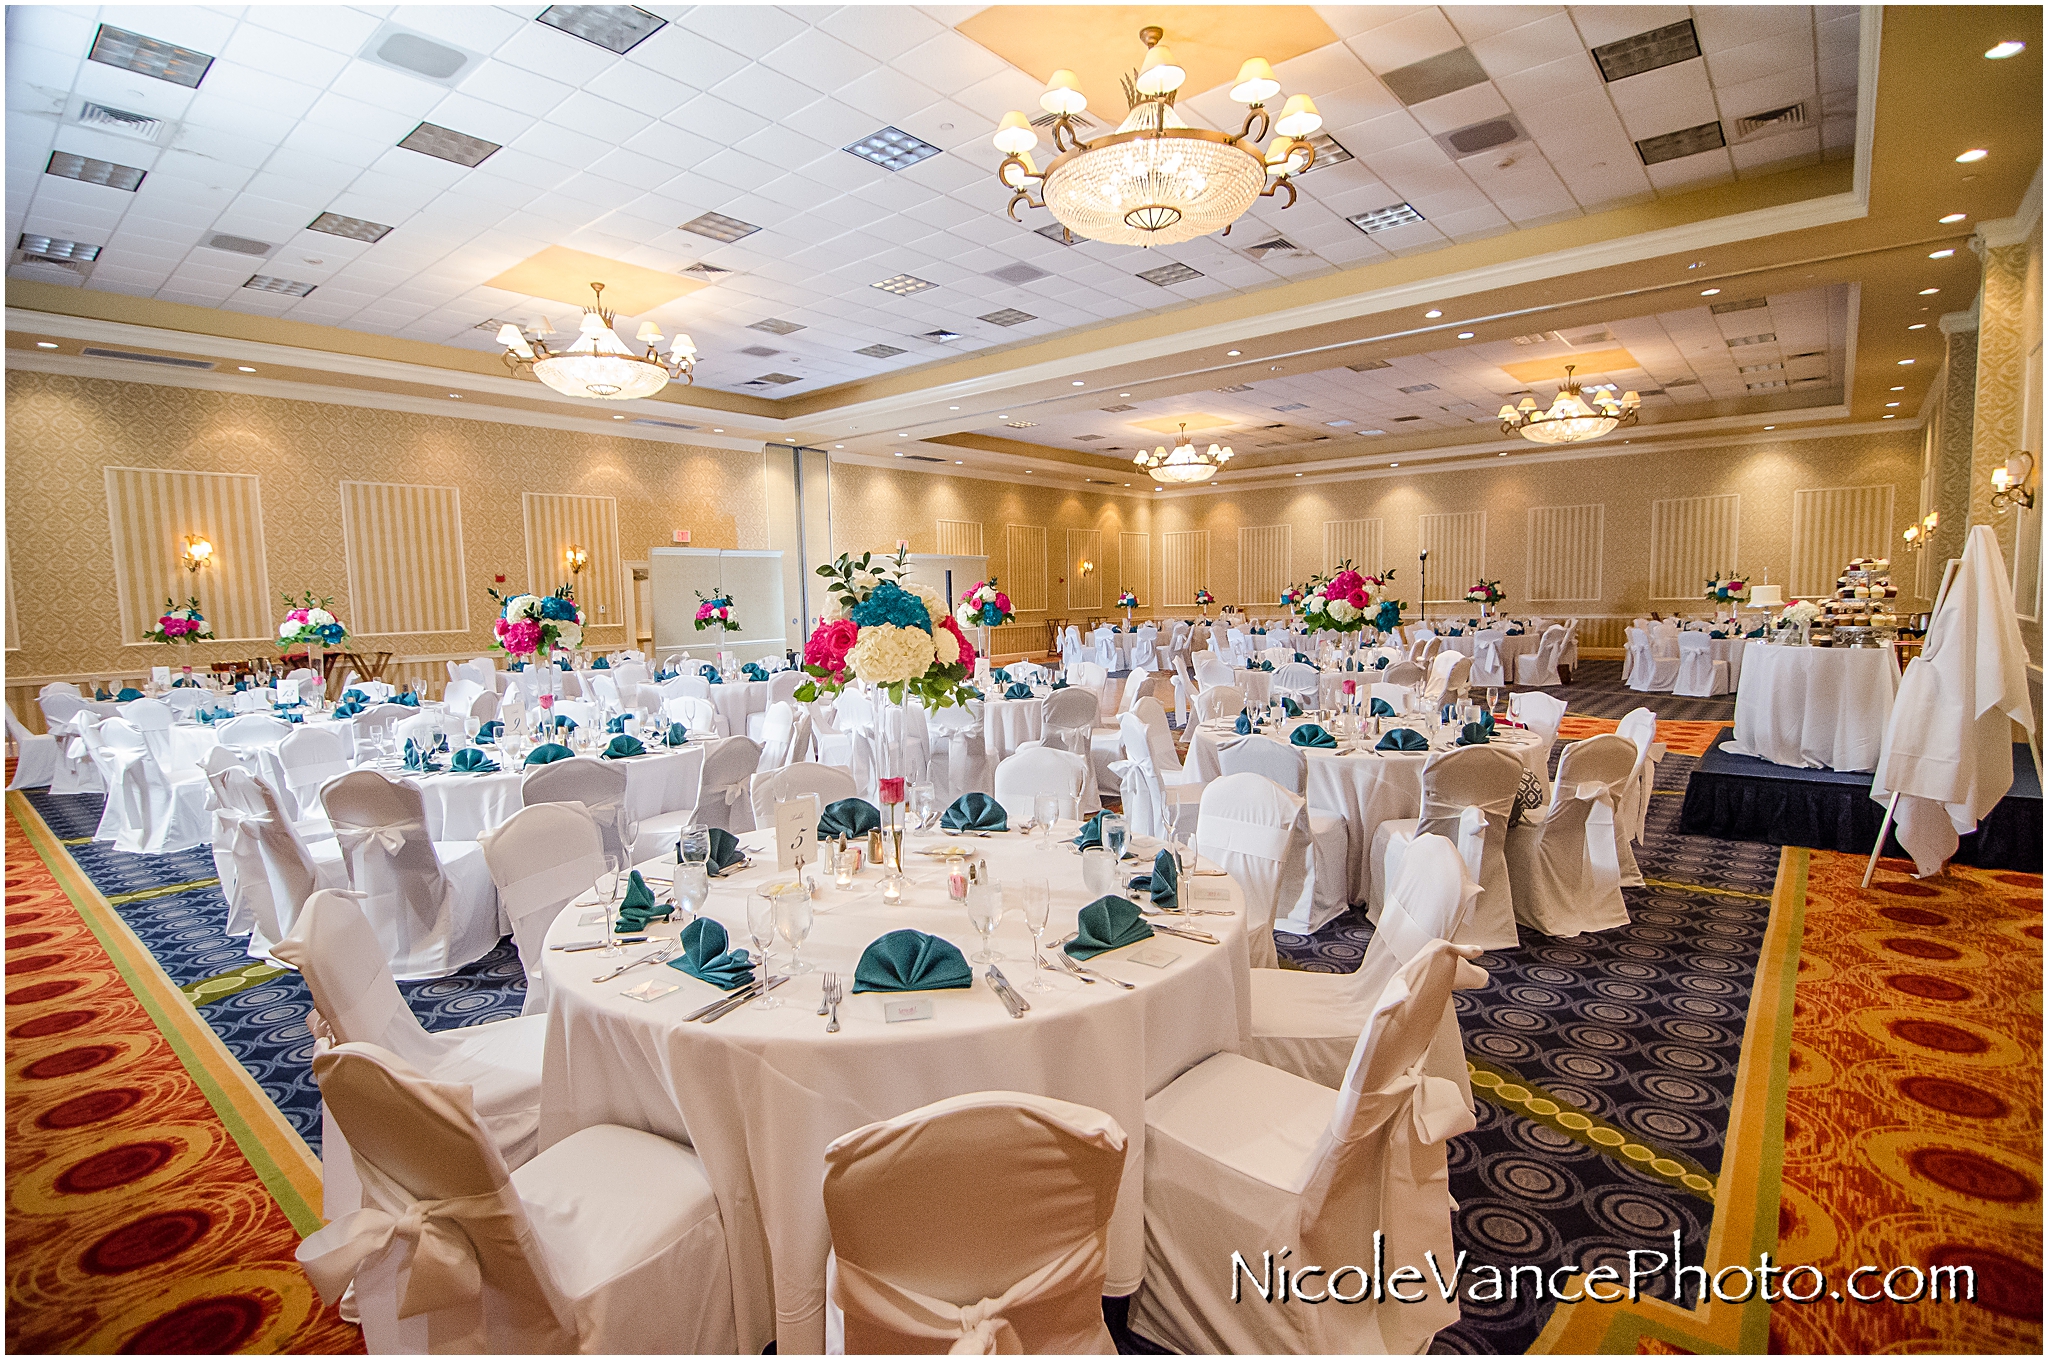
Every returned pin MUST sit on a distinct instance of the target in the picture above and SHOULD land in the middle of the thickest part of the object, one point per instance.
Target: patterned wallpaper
(2001, 379)
(62, 431)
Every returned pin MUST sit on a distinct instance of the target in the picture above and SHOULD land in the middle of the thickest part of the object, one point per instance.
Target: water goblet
(761, 930)
(924, 804)
(1037, 894)
(693, 888)
(984, 911)
(1045, 810)
(607, 892)
(1098, 870)
(793, 923)
(695, 845)
(1115, 832)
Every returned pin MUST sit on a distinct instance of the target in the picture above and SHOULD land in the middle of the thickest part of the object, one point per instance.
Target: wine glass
(1037, 906)
(1045, 810)
(696, 845)
(1115, 832)
(761, 930)
(793, 923)
(693, 888)
(924, 803)
(984, 912)
(607, 892)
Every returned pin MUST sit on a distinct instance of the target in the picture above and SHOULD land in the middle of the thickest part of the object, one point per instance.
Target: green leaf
(806, 692)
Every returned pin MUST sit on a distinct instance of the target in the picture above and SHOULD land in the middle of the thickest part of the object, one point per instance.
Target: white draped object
(1816, 707)
(1539, 668)
(827, 783)
(1145, 647)
(599, 786)
(432, 904)
(1948, 747)
(453, 1253)
(1219, 701)
(1486, 661)
(1645, 667)
(729, 765)
(1544, 714)
(1022, 1274)
(1468, 794)
(1244, 1157)
(544, 858)
(35, 756)
(1326, 895)
(1564, 868)
(75, 771)
(1257, 832)
(1041, 772)
(1700, 675)
(293, 868)
(1632, 809)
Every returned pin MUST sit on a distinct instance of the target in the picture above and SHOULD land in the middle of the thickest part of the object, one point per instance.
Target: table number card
(796, 831)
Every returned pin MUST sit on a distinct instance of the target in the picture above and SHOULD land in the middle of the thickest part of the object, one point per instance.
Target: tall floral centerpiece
(983, 606)
(1730, 590)
(1127, 600)
(310, 623)
(1291, 598)
(1203, 599)
(180, 623)
(715, 611)
(1486, 594)
(887, 632)
(1795, 625)
(535, 625)
(1340, 602)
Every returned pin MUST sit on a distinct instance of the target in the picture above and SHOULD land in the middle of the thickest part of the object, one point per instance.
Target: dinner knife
(736, 1002)
(1001, 986)
(745, 993)
(1183, 932)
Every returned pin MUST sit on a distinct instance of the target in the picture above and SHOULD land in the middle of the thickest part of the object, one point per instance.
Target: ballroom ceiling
(220, 151)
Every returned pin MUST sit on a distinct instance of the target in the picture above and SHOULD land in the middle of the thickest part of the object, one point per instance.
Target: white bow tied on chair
(977, 1329)
(391, 836)
(1600, 843)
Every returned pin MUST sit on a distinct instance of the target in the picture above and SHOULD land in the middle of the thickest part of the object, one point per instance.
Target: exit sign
(682, 535)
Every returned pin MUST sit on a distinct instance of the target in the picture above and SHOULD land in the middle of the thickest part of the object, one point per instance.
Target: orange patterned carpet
(1685, 738)
(1913, 1114)
(134, 1221)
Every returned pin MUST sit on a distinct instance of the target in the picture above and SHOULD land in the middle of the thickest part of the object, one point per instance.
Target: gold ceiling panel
(1584, 366)
(564, 275)
(1196, 421)
(1099, 43)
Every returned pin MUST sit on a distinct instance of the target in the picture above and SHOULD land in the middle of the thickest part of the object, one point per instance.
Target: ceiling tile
(556, 55)
(1721, 27)
(1552, 80)
(269, 50)
(754, 30)
(1447, 113)
(1405, 41)
(1665, 100)
(509, 87)
(1476, 22)
(1547, 40)
(1603, 24)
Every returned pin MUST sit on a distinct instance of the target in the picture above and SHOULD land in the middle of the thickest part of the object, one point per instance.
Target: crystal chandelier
(1155, 180)
(1183, 463)
(1571, 419)
(598, 363)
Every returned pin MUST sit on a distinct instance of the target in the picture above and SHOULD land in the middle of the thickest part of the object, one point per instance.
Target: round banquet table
(1365, 785)
(759, 1094)
(1817, 708)
(1007, 724)
(462, 807)
(1515, 645)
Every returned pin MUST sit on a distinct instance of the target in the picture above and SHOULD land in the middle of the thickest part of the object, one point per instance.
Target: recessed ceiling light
(1770, 427)
(56, 248)
(1393, 465)
(718, 227)
(2004, 50)
(1972, 156)
(1953, 217)
(902, 285)
(618, 417)
(1890, 417)
(1166, 275)
(899, 453)
(455, 396)
(1232, 353)
(718, 432)
(901, 435)
(1123, 394)
(244, 369)
(1079, 383)
(1898, 389)
(962, 462)
(147, 56)
(1432, 313)
(446, 144)
(1029, 471)
(615, 28)
(1904, 362)
(1941, 254)
(1465, 335)
(1296, 474)
(1502, 454)
(1917, 326)
(354, 228)
(1929, 292)
(952, 408)
(266, 283)
(86, 170)
(45, 344)
(1385, 219)
(1710, 292)
(892, 149)
(1891, 403)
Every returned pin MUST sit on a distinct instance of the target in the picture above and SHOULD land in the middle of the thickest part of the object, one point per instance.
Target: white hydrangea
(864, 583)
(569, 635)
(319, 618)
(1343, 611)
(946, 646)
(885, 654)
(933, 602)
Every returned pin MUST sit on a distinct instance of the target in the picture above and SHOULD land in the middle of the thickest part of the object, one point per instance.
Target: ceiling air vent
(1087, 438)
(1236, 387)
(53, 261)
(1369, 366)
(1419, 387)
(1293, 406)
(1442, 74)
(1601, 336)
(1166, 275)
(663, 424)
(1539, 338)
(1481, 137)
(1739, 305)
(1771, 120)
(163, 360)
(707, 272)
(779, 379)
(1019, 273)
(1651, 51)
(1329, 152)
(239, 245)
(1673, 146)
(881, 351)
(775, 326)
(1279, 245)
(940, 337)
(761, 351)
(1114, 409)
(416, 54)
(1057, 232)
(1808, 354)
(140, 126)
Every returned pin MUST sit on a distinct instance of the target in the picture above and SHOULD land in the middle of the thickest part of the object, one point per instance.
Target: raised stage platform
(1741, 798)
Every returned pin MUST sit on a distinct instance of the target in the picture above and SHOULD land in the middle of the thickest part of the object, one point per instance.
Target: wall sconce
(577, 559)
(1917, 536)
(2009, 483)
(198, 553)
(1087, 567)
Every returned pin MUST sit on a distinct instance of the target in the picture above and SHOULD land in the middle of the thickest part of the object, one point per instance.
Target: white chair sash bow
(443, 1271)
(1415, 1109)
(391, 835)
(1601, 851)
(1223, 834)
(977, 1329)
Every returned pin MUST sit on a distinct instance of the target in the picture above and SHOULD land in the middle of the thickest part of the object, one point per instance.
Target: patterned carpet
(136, 1218)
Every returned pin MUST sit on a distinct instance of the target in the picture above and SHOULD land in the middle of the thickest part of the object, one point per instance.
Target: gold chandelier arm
(1256, 113)
(1063, 135)
(1281, 183)
(1022, 196)
(1025, 172)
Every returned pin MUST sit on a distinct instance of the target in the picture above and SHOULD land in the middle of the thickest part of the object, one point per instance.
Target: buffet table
(1817, 708)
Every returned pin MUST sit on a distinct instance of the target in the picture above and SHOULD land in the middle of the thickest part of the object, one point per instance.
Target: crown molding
(1064, 482)
(2011, 231)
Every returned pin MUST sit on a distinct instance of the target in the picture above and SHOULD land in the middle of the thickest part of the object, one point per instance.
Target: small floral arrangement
(1127, 600)
(1729, 589)
(1342, 601)
(1292, 596)
(1800, 612)
(309, 622)
(1486, 592)
(715, 611)
(1203, 597)
(180, 623)
(531, 625)
(889, 632)
(984, 606)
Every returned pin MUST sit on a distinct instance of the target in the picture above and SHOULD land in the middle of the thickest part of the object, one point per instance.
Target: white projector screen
(753, 580)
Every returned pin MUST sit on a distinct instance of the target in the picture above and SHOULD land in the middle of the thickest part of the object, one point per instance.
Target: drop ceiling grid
(290, 122)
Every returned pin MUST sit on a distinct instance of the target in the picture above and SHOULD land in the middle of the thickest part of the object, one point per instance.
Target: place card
(651, 990)
(1153, 956)
(1202, 892)
(592, 918)
(895, 1012)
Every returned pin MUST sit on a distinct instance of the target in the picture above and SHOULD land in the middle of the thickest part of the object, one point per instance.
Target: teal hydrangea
(891, 603)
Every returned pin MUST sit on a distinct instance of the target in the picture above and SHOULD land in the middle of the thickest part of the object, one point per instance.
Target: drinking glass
(607, 891)
(696, 845)
(693, 888)
(984, 911)
(761, 930)
(1045, 810)
(1115, 831)
(1037, 905)
(1098, 871)
(924, 804)
(793, 923)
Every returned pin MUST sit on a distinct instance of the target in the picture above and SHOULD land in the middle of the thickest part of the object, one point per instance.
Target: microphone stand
(1423, 585)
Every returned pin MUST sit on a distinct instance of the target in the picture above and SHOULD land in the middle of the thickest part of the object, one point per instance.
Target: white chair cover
(1632, 812)
(542, 858)
(235, 858)
(75, 772)
(729, 763)
(35, 756)
(1543, 713)
(1326, 895)
(1212, 669)
(1486, 663)
(1468, 794)
(829, 783)
(1699, 674)
(1070, 718)
(433, 907)
(1071, 651)
(1106, 651)
(1023, 1274)
(1564, 868)
(1257, 832)
(1645, 670)
(1298, 679)
(292, 868)
(451, 1253)
(1145, 647)
(158, 816)
(1238, 1151)
(1540, 666)
(309, 757)
(599, 786)
(1041, 772)
(1219, 701)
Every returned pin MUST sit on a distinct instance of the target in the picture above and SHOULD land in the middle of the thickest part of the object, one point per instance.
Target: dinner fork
(658, 954)
(834, 993)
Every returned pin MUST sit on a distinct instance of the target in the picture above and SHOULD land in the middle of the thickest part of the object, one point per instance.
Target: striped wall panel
(1456, 545)
(1691, 538)
(13, 626)
(1134, 564)
(1017, 638)
(1084, 592)
(1360, 542)
(149, 513)
(405, 568)
(1830, 525)
(1024, 567)
(1265, 561)
(961, 538)
(1565, 552)
(553, 523)
(1184, 566)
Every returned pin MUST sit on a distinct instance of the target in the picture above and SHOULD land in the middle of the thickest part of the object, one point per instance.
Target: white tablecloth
(1519, 644)
(1007, 724)
(461, 807)
(759, 1094)
(1818, 708)
(736, 700)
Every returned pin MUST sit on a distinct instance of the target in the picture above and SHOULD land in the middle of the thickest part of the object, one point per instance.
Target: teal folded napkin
(1059, 684)
(1261, 666)
(408, 698)
(1382, 709)
(347, 710)
(1756, 632)
(1473, 734)
(419, 756)
(1289, 706)
(911, 961)
(678, 735)
(704, 956)
(603, 663)
(354, 696)
(1000, 676)
(563, 723)
(490, 731)
(563, 665)
(519, 665)
(1716, 634)
(1379, 663)
(548, 754)
(1309, 734)
(622, 746)
(1486, 721)
(1017, 691)
(975, 812)
(1457, 632)
(128, 692)
(1301, 657)
(711, 675)
(725, 852)
(1243, 723)
(1091, 833)
(1107, 923)
(1403, 739)
(473, 760)
(753, 670)
(1163, 882)
(848, 817)
(1512, 632)
(638, 907)
(615, 723)
(101, 693)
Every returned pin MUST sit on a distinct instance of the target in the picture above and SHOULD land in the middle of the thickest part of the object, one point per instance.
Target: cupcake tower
(1865, 598)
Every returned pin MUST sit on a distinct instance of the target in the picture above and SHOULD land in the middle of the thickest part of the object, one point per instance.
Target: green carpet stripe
(1506, 1088)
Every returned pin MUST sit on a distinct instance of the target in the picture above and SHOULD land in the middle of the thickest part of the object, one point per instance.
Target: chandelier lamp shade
(1183, 464)
(1574, 417)
(1155, 180)
(597, 363)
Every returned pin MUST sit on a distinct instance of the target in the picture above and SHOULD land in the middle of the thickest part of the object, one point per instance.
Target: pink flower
(966, 647)
(703, 611)
(519, 638)
(1345, 582)
(892, 791)
(1351, 687)
(829, 644)
(1002, 602)
(296, 616)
